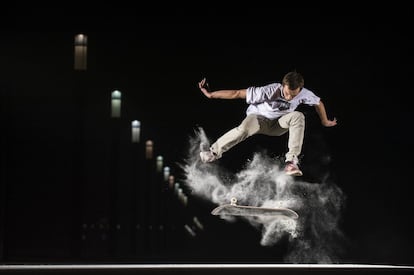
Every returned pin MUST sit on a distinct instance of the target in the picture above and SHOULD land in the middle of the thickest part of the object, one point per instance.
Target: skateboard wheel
(233, 201)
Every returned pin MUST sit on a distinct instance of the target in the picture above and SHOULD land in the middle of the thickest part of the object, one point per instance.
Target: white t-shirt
(268, 101)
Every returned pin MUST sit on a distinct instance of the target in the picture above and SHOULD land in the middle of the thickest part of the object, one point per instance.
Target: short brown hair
(293, 80)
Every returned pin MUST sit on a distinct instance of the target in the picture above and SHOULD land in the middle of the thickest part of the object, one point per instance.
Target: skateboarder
(271, 111)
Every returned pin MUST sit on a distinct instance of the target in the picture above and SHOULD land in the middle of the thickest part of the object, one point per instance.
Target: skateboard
(233, 209)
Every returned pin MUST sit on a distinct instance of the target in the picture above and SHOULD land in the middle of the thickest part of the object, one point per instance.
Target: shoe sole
(295, 173)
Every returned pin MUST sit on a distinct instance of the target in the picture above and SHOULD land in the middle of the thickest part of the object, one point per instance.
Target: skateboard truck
(233, 201)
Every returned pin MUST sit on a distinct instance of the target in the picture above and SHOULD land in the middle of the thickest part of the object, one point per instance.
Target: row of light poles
(80, 64)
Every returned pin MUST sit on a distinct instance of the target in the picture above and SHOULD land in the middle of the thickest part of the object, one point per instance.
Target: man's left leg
(295, 122)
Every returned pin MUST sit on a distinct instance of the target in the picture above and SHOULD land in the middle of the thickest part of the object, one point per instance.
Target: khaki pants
(294, 123)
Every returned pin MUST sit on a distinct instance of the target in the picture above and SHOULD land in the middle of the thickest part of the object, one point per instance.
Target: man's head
(293, 80)
(292, 83)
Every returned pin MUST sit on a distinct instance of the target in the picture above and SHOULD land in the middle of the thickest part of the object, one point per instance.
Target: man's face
(288, 93)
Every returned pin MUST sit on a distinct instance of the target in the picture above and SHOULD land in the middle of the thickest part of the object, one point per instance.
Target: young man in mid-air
(271, 111)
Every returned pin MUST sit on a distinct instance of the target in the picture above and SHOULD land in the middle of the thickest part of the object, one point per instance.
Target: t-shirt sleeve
(310, 98)
(261, 94)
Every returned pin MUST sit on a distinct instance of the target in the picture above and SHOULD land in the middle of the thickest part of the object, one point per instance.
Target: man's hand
(203, 85)
(329, 123)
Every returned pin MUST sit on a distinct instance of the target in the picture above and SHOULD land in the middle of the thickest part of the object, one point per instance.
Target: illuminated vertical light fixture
(135, 131)
(116, 104)
(81, 48)
(177, 188)
(171, 180)
(149, 149)
(160, 163)
(166, 173)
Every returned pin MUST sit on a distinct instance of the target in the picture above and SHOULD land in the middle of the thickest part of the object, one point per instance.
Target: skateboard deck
(233, 209)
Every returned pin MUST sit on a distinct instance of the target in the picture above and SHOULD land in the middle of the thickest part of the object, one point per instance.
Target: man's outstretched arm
(320, 109)
(221, 94)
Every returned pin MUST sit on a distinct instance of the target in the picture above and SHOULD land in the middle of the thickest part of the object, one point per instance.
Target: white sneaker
(292, 169)
(207, 156)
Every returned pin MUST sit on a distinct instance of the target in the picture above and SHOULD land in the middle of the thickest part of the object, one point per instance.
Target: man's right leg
(248, 127)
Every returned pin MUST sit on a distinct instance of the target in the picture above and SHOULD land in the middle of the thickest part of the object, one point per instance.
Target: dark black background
(55, 121)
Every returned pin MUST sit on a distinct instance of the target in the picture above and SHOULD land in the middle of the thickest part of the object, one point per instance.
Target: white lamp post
(135, 131)
(166, 173)
(81, 48)
(160, 163)
(149, 149)
(116, 104)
